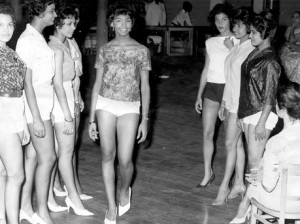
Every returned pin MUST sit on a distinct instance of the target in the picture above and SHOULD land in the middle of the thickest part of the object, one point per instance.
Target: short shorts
(214, 91)
(253, 119)
(117, 107)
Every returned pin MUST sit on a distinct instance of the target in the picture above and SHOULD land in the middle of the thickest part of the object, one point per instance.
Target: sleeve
(272, 72)
(271, 161)
(163, 16)
(100, 59)
(188, 21)
(24, 50)
(145, 61)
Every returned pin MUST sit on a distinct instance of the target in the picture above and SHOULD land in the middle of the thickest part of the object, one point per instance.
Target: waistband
(17, 93)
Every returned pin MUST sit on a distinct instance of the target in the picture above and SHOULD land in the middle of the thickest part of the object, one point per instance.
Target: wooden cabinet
(180, 41)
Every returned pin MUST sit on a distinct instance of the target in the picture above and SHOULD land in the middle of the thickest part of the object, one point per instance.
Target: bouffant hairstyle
(187, 6)
(224, 8)
(265, 23)
(288, 97)
(243, 15)
(117, 9)
(64, 12)
(37, 7)
(6, 9)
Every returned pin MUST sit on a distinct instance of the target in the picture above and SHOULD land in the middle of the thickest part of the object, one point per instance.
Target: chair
(263, 214)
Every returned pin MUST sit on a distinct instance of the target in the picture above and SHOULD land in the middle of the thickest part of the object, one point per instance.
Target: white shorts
(253, 119)
(58, 114)
(117, 107)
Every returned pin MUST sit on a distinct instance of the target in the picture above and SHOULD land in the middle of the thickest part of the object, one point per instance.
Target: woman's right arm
(38, 124)
(203, 80)
(95, 91)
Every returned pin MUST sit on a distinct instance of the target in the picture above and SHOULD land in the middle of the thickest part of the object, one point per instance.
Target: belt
(17, 93)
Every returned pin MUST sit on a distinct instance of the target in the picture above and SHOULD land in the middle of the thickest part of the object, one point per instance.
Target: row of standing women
(239, 84)
(42, 119)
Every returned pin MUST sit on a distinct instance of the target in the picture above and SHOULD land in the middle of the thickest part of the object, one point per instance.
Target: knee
(229, 145)
(17, 177)
(48, 160)
(208, 135)
(126, 164)
(108, 157)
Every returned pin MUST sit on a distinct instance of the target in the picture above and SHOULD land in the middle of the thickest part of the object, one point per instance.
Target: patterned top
(12, 71)
(122, 67)
(259, 80)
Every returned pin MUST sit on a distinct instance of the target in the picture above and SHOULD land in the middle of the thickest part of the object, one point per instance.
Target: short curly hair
(244, 15)
(6, 9)
(36, 7)
(119, 9)
(288, 97)
(64, 12)
(266, 24)
(224, 8)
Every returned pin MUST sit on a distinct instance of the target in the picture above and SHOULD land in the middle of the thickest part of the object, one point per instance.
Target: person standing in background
(183, 17)
(155, 13)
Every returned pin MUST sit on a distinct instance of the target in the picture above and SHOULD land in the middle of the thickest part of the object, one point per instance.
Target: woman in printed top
(212, 82)
(259, 80)
(13, 127)
(122, 82)
(228, 111)
(64, 109)
(39, 154)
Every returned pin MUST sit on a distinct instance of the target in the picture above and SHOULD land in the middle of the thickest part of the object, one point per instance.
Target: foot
(111, 215)
(222, 196)
(45, 217)
(124, 198)
(242, 210)
(237, 190)
(77, 202)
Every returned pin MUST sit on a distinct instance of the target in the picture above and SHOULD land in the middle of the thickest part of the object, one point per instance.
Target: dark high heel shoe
(212, 177)
(241, 190)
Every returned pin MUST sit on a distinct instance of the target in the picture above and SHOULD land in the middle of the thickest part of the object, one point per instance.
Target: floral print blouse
(259, 80)
(121, 71)
(12, 71)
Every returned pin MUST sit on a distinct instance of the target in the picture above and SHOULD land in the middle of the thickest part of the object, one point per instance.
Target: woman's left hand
(81, 104)
(142, 131)
(260, 132)
(228, 43)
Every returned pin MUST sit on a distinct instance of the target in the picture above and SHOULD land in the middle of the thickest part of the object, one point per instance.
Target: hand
(228, 43)
(221, 113)
(69, 127)
(93, 131)
(81, 104)
(260, 132)
(76, 110)
(39, 128)
(198, 105)
(142, 131)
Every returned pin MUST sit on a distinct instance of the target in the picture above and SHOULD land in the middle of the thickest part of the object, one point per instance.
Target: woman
(228, 110)
(212, 82)
(283, 147)
(259, 79)
(13, 126)
(122, 69)
(292, 33)
(64, 106)
(39, 154)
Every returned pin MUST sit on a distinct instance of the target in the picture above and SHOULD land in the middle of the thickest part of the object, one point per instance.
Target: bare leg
(11, 154)
(46, 158)
(209, 117)
(107, 131)
(126, 130)
(30, 166)
(65, 156)
(2, 191)
(54, 174)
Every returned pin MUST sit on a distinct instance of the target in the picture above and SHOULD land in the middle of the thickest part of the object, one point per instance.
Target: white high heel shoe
(82, 212)
(125, 208)
(82, 196)
(58, 208)
(59, 193)
(243, 219)
(37, 219)
(24, 216)
(107, 221)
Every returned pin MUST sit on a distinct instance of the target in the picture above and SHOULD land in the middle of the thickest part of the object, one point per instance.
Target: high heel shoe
(85, 197)
(82, 212)
(37, 219)
(24, 216)
(243, 219)
(58, 208)
(107, 221)
(59, 193)
(212, 177)
(236, 192)
(125, 208)
(223, 199)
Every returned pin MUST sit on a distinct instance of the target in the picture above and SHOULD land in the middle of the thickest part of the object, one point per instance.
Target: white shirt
(155, 14)
(182, 19)
(38, 56)
(217, 53)
(232, 70)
